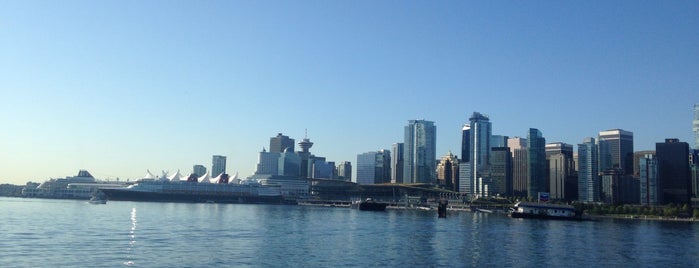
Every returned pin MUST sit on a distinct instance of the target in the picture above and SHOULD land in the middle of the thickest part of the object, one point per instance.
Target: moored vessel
(544, 211)
(371, 205)
(197, 191)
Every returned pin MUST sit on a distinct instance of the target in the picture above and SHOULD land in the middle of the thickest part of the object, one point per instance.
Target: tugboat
(371, 205)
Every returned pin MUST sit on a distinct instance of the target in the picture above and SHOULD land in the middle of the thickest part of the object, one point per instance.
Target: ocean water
(68, 233)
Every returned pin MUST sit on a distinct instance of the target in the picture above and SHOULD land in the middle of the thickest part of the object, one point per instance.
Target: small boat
(97, 200)
(484, 210)
(544, 211)
(371, 205)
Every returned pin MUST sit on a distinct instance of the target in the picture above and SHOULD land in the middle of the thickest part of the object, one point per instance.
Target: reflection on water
(64, 233)
(132, 239)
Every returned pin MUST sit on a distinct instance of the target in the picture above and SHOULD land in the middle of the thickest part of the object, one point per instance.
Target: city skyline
(118, 89)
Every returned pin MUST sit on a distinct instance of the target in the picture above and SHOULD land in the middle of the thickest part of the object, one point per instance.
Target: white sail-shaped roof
(175, 177)
(217, 179)
(148, 175)
(205, 178)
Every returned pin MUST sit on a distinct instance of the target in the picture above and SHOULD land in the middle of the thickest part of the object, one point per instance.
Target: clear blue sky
(118, 87)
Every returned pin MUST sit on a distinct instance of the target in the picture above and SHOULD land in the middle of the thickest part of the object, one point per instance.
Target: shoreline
(641, 217)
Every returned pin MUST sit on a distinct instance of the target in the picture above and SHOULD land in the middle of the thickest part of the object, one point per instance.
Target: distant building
(637, 156)
(476, 153)
(649, 180)
(615, 148)
(588, 178)
(199, 170)
(561, 168)
(280, 143)
(675, 178)
(448, 171)
(466, 143)
(500, 182)
(695, 126)
(304, 156)
(344, 171)
(374, 167)
(419, 155)
(320, 168)
(397, 163)
(536, 163)
(268, 163)
(518, 148)
(218, 166)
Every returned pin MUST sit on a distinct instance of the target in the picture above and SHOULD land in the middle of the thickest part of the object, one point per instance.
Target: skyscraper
(695, 126)
(448, 171)
(466, 143)
(500, 171)
(588, 177)
(267, 163)
(397, 163)
(649, 181)
(478, 133)
(419, 155)
(280, 143)
(536, 163)
(518, 148)
(218, 165)
(481, 129)
(615, 148)
(199, 170)
(561, 168)
(344, 171)
(373, 167)
(675, 177)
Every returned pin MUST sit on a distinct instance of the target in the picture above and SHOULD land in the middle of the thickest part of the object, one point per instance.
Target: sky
(121, 87)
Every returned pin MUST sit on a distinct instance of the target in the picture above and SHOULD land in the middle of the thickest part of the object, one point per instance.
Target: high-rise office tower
(344, 171)
(267, 163)
(481, 129)
(478, 132)
(518, 148)
(615, 148)
(588, 177)
(649, 181)
(419, 155)
(536, 163)
(695, 126)
(561, 168)
(373, 167)
(218, 165)
(637, 156)
(466, 143)
(397, 163)
(498, 141)
(280, 143)
(675, 177)
(500, 171)
(199, 170)
(448, 171)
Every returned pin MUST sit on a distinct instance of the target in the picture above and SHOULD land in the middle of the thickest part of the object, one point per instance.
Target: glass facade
(419, 155)
(588, 177)
(536, 162)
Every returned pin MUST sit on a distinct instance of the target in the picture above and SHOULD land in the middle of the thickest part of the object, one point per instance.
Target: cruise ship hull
(150, 191)
(121, 195)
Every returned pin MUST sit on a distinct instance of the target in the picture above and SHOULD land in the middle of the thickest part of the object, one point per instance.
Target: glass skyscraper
(616, 150)
(588, 177)
(419, 154)
(218, 166)
(536, 162)
(695, 126)
(477, 153)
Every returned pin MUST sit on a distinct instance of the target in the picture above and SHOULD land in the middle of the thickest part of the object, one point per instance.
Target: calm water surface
(67, 233)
